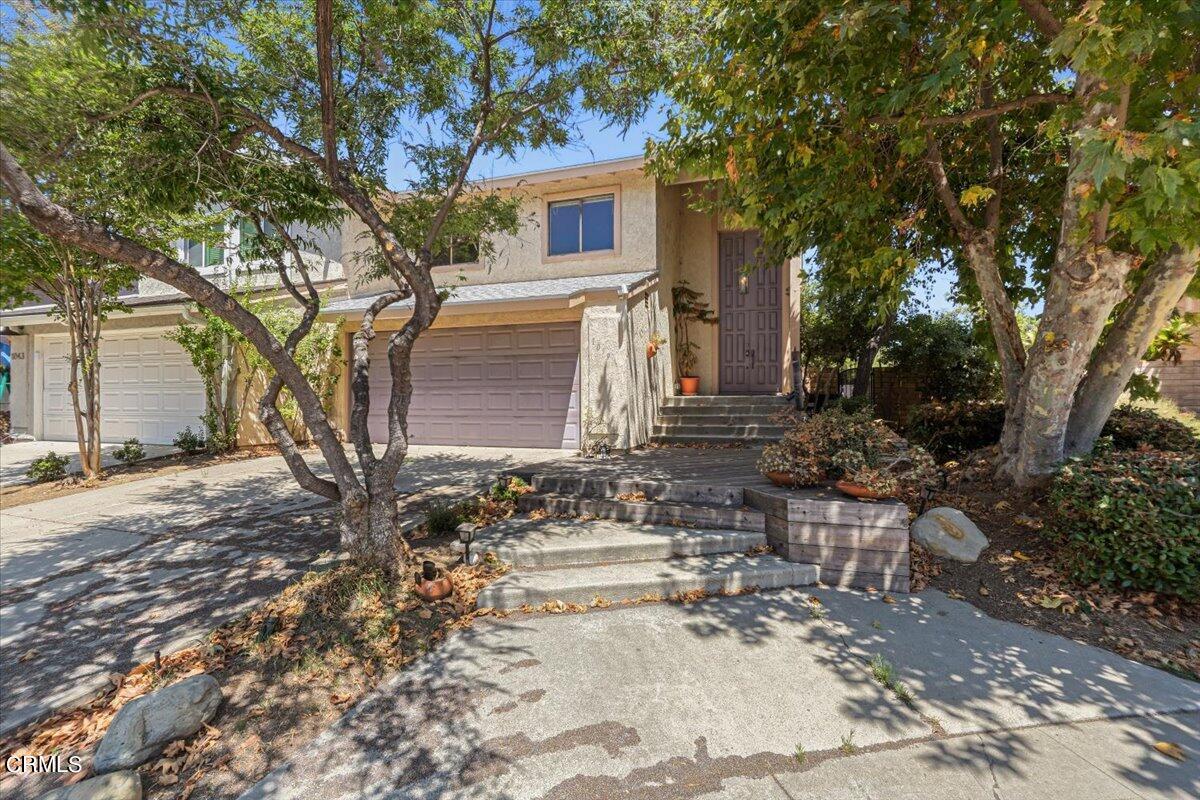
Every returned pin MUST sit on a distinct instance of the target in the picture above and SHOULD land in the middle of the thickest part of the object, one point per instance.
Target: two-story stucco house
(545, 345)
(148, 386)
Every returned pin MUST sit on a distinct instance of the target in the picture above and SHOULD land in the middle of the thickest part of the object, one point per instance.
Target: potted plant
(687, 307)
(432, 583)
(657, 340)
(864, 456)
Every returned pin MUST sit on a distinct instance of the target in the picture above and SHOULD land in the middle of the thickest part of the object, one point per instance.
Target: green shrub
(943, 356)
(853, 405)
(954, 429)
(1131, 520)
(440, 519)
(189, 441)
(507, 490)
(130, 452)
(1130, 427)
(50, 467)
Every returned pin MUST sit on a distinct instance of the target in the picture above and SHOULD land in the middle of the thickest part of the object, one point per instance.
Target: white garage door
(498, 386)
(148, 388)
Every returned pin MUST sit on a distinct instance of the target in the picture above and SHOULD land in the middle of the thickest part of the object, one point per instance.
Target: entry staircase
(718, 419)
(594, 541)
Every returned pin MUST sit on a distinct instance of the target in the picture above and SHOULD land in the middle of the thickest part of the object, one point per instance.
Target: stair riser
(721, 518)
(672, 429)
(684, 546)
(671, 416)
(653, 490)
(699, 405)
(685, 438)
(776, 577)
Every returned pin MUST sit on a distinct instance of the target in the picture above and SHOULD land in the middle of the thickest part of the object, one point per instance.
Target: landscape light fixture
(466, 535)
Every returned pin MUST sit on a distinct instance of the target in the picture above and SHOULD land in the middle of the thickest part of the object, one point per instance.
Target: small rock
(947, 532)
(143, 727)
(125, 785)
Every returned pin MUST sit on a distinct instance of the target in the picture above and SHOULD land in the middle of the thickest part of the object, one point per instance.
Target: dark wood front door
(750, 310)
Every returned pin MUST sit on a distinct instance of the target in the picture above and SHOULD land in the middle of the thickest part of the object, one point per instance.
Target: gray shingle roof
(548, 289)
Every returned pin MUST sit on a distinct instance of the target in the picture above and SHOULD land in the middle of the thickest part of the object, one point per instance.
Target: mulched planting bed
(1018, 578)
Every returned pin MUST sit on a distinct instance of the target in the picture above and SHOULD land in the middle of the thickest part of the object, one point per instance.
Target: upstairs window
(582, 226)
(461, 250)
(201, 255)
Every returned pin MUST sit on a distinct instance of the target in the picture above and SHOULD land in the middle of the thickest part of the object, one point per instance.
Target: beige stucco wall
(521, 257)
(621, 386)
(697, 264)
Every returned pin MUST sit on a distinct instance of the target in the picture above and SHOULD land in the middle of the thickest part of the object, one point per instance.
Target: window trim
(582, 194)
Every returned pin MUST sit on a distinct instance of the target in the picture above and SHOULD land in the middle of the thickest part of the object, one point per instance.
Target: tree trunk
(368, 529)
(865, 363)
(1002, 317)
(1087, 280)
(1113, 364)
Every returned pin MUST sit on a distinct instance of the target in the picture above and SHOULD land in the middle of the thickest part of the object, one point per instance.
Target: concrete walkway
(16, 457)
(712, 700)
(95, 582)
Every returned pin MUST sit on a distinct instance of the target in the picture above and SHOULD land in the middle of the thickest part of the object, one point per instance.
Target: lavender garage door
(497, 386)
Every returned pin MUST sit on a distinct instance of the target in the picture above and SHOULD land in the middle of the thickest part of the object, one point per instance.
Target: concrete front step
(527, 543)
(711, 415)
(738, 400)
(655, 513)
(708, 438)
(616, 582)
(713, 495)
(759, 430)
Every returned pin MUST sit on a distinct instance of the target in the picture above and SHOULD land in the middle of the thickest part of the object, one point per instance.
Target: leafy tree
(311, 96)
(1050, 139)
(83, 290)
(943, 355)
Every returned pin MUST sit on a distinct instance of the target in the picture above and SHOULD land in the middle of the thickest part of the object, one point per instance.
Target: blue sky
(594, 142)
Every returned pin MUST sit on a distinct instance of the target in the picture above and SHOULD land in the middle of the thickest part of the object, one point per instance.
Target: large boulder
(125, 785)
(947, 532)
(143, 727)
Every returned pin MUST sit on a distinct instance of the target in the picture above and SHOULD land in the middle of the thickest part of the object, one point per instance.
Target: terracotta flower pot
(785, 479)
(651, 350)
(689, 385)
(860, 491)
(435, 589)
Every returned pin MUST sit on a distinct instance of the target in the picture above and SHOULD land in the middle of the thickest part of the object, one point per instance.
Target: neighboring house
(148, 386)
(546, 344)
(1181, 382)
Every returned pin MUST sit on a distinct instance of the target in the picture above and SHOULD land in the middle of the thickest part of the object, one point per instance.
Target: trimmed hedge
(1131, 520)
(954, 429)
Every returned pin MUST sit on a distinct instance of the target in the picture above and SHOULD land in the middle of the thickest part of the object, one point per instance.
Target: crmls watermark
(52, 763)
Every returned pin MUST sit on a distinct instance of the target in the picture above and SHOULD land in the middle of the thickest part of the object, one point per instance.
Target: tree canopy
(1048, 151)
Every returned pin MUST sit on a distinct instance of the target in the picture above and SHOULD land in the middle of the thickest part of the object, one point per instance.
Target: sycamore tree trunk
(1087, 280)
(1114, 362)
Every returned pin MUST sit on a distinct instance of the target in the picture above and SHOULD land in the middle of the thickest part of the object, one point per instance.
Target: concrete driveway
(97, 581)
(16, 457)
(714, 699)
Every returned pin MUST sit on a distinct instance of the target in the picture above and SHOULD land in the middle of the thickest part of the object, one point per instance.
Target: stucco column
(605, 380)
